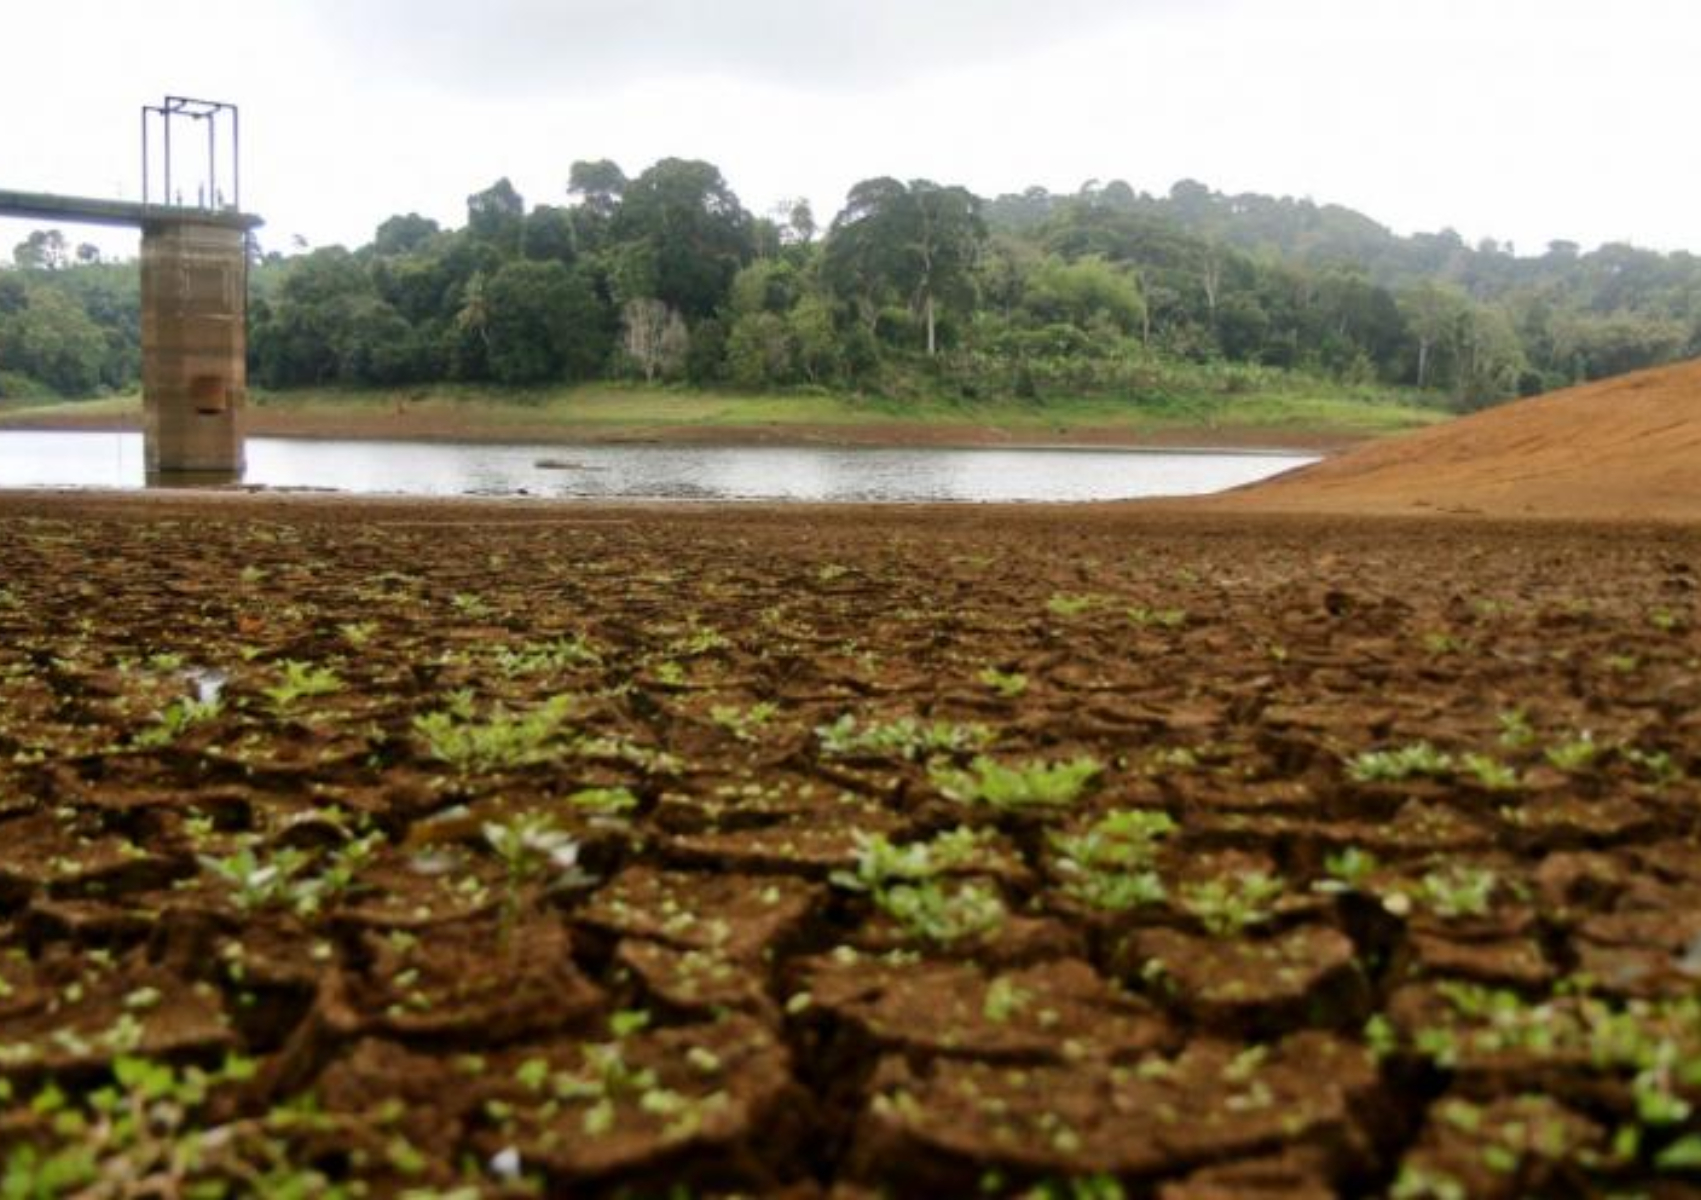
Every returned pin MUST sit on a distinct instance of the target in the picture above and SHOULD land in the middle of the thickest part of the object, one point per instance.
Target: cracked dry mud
(511, 849)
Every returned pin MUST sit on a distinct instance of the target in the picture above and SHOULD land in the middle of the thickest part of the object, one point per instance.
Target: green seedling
(1516, 732)
(905, 738)
(1030, 786)
(176, 718)
(607, 802)
(547, 658)
(503, 741)
(1406, 762)
(1459, 891)
(1065, 604)
(533, 851)
(698, 642)
(1127, 838)
(300, 681)
(1574, 754)
(1157, 618)
(358, 633)
(903, 882)
(1490, 773)
(881, 862)
(467, 604)
(1226, 907)
(936, 912)
(745, 724)
(1348, 871)
(1008, 684)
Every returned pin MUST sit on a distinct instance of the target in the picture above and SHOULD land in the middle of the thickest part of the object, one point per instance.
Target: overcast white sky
(1522, 120)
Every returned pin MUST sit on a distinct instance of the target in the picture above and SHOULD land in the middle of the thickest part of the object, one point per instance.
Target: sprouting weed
(615, 801)
(1575, 753)
(1004, 999)
(502, 741)
(532, 850)
(1225, 907)
(181, 714)
(1490, 773)
(1032, 785)
(905, 738)
(1516, 732)
(1442, 644)
(1122, 840)
(938, 912)
(1065, 604)
(700, 641)
(561, 654)
(1658, 765)
(1391, 766)
(903, 882)
(301, 680)
(745, 724)
(467, 604)
(1458, 891)
(1159, 618)
(1008, 684)
(1348, 871)
(358, 633)
(881, 862)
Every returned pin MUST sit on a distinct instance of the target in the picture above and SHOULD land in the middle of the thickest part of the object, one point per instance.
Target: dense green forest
(912, 289)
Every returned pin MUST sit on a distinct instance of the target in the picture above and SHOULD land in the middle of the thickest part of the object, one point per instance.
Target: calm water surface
(114, 460)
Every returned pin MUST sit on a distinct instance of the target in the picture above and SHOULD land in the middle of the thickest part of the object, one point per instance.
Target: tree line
(912, 288)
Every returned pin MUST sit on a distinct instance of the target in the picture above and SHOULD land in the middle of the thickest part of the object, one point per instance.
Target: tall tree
(697, 231)
(919, 239)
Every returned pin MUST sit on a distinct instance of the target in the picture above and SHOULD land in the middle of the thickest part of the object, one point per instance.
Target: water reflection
(115, 460)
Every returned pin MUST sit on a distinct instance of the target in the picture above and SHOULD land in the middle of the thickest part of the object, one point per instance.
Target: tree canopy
(917, 285)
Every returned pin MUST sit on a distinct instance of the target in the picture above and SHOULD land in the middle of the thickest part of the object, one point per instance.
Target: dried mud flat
(510, 849)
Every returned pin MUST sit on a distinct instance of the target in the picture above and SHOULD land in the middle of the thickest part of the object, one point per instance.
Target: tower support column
(194, 347)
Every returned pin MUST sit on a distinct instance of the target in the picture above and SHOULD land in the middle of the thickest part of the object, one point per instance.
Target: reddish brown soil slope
(1626, 448)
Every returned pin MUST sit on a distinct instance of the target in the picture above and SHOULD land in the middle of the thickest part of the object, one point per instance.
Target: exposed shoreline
(437, 425)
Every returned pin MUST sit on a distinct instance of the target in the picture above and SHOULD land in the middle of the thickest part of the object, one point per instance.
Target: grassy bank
(1298, 411)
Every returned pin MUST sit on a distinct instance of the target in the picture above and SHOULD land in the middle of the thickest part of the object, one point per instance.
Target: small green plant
(1392, 766)
(1490, 773)
(1574, 754)
(301, 680)
(1065, 604)
(1125, 838)
(1032, 785)
(546, 658)
(532, 851)
(1348, 871)
(1008, 684)
(905, 738)
(1157, 618)
(607, 802)
(1516, 732)
(903, 881)
(937, 912)
(502, 741)
(358, 633)
(468, 604)
(881, 862)
(1458, 891)
(1657, 765)
(1226, 907)
(176, 718)
(745, 724)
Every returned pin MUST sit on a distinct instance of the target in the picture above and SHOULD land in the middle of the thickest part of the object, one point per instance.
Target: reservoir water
(654, 472)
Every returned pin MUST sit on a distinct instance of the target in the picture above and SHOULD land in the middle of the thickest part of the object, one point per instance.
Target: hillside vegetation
(914, 293)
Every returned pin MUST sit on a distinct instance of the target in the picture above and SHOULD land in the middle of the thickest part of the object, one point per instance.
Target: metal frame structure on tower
(211, 196)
